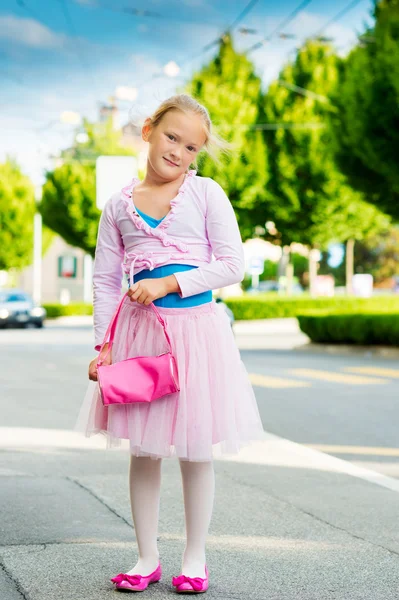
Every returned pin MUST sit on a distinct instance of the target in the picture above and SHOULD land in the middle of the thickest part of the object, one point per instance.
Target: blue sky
(71, 55)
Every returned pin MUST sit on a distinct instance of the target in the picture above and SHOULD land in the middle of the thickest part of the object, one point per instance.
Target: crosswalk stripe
(336, 377)
(394, 373)
(276, 382)
(370, 450)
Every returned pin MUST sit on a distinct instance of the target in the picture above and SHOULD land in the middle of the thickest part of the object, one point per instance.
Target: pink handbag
(138, 379)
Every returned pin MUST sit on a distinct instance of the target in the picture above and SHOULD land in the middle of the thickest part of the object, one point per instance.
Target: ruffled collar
(159, 230)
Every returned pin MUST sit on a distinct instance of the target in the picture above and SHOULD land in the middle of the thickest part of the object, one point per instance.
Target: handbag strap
(112, 327)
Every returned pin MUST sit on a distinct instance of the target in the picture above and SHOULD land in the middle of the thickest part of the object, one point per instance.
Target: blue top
(172, 300)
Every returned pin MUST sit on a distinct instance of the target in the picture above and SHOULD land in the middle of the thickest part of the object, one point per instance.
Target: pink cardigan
(200, 225)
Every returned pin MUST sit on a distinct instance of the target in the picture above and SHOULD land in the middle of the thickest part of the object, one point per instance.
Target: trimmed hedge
(273, 306)
(266, 306)
(365, 328)
(63, 310)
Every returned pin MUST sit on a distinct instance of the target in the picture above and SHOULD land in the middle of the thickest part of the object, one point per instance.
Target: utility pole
(37, 249)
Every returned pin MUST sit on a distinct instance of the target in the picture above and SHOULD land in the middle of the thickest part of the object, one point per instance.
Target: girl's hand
(93, 365)
(147, 290)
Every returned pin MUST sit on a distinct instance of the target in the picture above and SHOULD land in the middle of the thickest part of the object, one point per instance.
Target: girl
(163, 231)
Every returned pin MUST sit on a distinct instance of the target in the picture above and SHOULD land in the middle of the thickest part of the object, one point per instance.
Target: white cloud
(29, 32)
(33, 34)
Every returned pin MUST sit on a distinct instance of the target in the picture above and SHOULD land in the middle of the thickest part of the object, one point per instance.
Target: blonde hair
(214, 144)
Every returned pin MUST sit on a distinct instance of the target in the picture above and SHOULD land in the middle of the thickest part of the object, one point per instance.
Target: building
(63, 269)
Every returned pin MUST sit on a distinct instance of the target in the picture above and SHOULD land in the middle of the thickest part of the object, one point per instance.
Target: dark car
(18, 308)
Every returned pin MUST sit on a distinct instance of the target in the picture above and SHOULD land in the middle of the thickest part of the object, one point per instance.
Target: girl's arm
(226, 243)
(107, 273)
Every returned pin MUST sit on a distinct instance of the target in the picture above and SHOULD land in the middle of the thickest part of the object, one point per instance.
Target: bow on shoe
(196, 582)
(132, 579)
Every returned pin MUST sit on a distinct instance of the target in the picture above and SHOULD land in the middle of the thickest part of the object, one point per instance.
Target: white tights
(198, 480)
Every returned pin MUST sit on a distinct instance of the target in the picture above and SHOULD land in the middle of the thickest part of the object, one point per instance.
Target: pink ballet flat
(193, 585)
(136, 583)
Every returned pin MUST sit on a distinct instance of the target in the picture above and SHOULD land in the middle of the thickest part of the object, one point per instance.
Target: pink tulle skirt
(215, 412)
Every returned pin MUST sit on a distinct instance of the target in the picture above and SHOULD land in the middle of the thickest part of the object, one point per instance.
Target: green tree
(366, 124)
(69, 205)
(379, 255)
(231, 91)
(17, 209)
(69, 195)
(308, 197)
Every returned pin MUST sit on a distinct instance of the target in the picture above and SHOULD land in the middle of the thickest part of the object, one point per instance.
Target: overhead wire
(338, 16)
(249, 6)
(281, 25)
(71, 27)
(232, 26)
(140, 13)
(316, 35)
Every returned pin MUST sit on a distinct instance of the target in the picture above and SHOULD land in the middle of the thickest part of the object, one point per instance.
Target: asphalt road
(290, 522)
(347, 406)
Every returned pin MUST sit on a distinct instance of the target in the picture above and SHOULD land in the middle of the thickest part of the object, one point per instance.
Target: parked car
(228, 310)
(18, 308)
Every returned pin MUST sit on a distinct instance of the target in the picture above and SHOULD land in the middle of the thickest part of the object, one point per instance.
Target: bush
(272, 306)
(365, 328)
(62, 310)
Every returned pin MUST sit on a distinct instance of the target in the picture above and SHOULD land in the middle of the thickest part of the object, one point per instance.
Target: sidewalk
(289, 523)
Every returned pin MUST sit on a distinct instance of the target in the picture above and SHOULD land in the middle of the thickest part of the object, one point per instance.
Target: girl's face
(174, 143)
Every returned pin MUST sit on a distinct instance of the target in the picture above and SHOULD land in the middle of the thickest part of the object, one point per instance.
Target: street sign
(324, 285)
(362, 285)
(256, 265)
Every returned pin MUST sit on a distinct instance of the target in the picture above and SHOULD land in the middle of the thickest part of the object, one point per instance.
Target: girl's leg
(145, 486)
(198, 491)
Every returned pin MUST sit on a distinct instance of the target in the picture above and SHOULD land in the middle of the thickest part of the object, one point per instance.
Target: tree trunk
(312, 271)
(283, 267)
(349, 262)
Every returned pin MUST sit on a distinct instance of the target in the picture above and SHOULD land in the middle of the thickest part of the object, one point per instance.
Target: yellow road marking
(394, 373)
(276, 382)
(374, 450)
(336, 377)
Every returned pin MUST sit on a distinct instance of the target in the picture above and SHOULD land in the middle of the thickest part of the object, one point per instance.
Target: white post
(290, 278)
(37, 258)
(87, 278)
(37, 249)
(255, 280)
(314, 257)
(349, 262)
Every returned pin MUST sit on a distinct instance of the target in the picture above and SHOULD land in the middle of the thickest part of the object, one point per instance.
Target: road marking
(276, 451)
(394, 373)
(276, 382)
(337, 377)
(370, 450)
